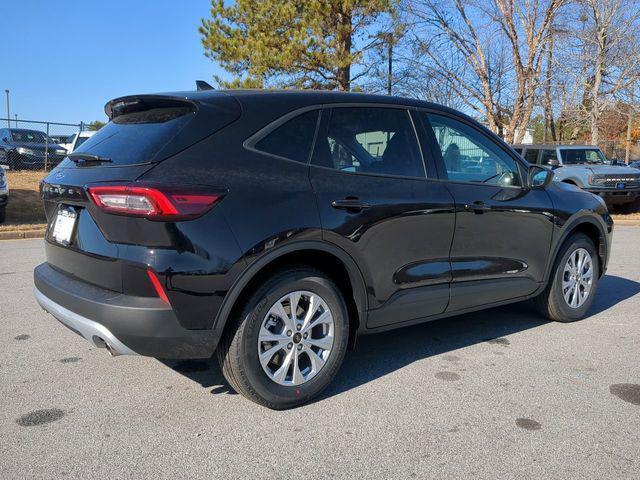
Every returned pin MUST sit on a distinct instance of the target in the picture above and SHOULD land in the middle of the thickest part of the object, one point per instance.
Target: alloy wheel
(577, 278)
(296, 338)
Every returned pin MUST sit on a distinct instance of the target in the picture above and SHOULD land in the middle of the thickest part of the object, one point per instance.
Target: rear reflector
(158, 286)
(153, 202)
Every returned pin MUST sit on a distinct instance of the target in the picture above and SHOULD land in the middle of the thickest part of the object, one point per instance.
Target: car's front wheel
(13, 161)
(288, 341)
(631, 207)
(573, 282)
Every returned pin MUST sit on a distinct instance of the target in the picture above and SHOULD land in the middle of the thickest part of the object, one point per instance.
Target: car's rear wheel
(573, 282)
(288, 341)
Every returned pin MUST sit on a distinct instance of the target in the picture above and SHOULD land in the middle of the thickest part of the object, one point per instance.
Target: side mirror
(553, 162)
(539, 177)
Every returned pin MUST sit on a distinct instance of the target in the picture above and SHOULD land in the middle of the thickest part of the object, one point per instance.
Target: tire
(551, 302)
(238, 350)
(631, 207)
(13, 160)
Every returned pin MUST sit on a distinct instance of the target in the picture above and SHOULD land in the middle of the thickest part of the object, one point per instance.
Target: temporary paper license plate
(63, 228)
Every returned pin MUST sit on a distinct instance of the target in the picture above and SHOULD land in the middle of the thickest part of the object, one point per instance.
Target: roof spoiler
(202, 85)
(137, 103)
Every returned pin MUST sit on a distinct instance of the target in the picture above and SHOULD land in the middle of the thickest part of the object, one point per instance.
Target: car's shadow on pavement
(611, 291)
(378, 355)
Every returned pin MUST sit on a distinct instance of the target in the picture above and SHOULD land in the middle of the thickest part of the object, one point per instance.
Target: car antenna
(202, 85)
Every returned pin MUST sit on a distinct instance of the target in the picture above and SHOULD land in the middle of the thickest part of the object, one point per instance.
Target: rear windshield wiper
(88, 158)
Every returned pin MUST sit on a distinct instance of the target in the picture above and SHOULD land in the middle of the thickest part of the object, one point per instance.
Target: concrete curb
(19, 234)
(626, 223)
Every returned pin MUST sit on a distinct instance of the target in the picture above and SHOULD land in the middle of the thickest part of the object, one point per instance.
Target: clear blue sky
(63, 60)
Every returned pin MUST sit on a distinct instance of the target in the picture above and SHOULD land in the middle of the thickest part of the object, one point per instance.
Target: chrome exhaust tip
(100, 343)
(111, 350)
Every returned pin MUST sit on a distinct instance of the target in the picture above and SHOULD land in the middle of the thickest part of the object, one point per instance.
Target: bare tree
(610, 53)
(597, 61)
(630, 120)
(490, 53)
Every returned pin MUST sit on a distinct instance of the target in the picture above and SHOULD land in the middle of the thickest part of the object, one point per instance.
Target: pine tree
(293, 43)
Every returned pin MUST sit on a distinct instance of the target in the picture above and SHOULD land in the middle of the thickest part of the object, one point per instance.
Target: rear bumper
(92, 331)
(125, 324)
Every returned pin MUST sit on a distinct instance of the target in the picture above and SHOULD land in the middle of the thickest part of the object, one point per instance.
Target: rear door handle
(352, 204)
(477, 207)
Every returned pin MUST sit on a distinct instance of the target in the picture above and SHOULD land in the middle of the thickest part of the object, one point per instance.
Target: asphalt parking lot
(496, 394)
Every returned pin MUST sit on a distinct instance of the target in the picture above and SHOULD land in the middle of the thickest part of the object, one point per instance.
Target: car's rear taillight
(153, 202)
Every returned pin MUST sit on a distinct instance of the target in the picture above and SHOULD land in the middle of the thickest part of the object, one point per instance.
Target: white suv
(585, 166)
(4, 193)
(78, 139)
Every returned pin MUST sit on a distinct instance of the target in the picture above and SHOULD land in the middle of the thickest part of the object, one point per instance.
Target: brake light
(158, 286)
(153, 202)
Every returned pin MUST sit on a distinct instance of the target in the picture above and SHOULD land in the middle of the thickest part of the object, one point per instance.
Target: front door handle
(477, 207)
(350, 204)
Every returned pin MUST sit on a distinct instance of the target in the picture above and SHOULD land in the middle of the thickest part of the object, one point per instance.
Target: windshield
(582, 155)
(31, 136)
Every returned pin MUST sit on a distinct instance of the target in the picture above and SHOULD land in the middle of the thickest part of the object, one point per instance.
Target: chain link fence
(36, 145)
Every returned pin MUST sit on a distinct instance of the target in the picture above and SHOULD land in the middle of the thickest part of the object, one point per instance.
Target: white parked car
(4, 193)
(77, 139)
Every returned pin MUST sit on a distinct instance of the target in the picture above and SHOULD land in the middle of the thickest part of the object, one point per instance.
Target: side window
(547, 155)
(292, 139)
(370, 140)
(531, 155)
(470, 156)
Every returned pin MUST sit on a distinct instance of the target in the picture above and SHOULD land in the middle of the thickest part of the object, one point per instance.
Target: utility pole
(390, 70)
(8, 114)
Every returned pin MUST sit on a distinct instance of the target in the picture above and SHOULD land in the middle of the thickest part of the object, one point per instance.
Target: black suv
(274, 227)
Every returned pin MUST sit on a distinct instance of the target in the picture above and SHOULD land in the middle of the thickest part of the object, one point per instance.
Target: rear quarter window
(293, 139)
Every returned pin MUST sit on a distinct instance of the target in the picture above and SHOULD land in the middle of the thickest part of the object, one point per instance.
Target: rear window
(135, 137)
(149, 129)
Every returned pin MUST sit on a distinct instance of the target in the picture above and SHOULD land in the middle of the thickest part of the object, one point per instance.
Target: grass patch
(25, 206)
